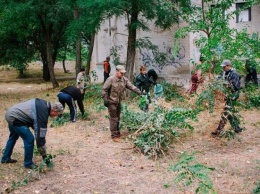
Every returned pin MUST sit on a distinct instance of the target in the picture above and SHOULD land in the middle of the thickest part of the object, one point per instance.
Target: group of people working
(35, 112)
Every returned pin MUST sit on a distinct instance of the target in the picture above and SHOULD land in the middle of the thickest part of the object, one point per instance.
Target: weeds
(33, 174)
(153, 132)
(190, 172)
(252, 95)
(171, 92)
(257, 189)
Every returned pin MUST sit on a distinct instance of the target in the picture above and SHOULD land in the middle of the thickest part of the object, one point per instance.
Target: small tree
(217, 40)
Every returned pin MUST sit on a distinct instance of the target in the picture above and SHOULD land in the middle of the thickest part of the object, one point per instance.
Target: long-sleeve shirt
(114, 89)
(76, 95)
(143, 82)
(32, 113)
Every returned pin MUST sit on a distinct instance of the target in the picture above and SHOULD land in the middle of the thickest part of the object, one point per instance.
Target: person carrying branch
(232, 82)
(113, 92)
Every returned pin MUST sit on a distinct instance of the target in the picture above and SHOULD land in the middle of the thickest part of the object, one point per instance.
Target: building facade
(112, 37)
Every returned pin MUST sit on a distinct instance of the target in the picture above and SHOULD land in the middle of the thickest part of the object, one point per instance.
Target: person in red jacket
(196, 78)
(107, 68)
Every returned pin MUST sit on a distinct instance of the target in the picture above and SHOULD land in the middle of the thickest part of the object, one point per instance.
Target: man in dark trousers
(69, 95)
(251, 72)
(107, 68)
(232, 82)
(33, 113)
(113, 93)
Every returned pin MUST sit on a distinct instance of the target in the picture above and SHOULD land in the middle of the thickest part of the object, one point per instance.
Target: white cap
(121, 68)
(225, 63)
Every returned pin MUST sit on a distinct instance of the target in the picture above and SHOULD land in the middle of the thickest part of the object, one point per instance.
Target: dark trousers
(106, 75)
(67, 99)
(251, 77)
(114, 118)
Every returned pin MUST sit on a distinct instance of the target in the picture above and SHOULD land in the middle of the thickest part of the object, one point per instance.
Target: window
(244, 15)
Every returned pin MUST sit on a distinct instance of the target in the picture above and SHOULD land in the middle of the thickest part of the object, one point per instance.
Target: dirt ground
(88, 161)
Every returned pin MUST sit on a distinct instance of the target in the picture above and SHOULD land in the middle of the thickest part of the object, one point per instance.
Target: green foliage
(114, 52)
(216, 40)
(153, 132)
(257, 189)
(93, 91)
(252, 96)
(171, 92)
(33, 173)
(207, 97)
(190, 172)
(60, 121)
(143, 102)
(94, 75)
(49, 164)
(17, 184)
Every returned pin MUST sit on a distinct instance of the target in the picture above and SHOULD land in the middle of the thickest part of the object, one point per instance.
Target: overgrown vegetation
(171, 92)
(257, 189)
(252, 96)
(153, 132)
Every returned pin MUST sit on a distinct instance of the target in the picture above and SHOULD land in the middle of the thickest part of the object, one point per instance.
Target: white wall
(177, 68)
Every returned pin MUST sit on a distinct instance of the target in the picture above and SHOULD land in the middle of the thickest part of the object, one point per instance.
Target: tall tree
(15, 46)
(39, 25)
(52, 17)
(164, 13)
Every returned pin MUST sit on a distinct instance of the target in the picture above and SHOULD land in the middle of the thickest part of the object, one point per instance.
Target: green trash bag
(158, 91)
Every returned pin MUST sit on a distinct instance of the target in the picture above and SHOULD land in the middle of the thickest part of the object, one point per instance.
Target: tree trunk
(63, 65)
(90, 51)
(78, 45)
(46, 73)
(131, 47)
(45, 69)
(50, 64)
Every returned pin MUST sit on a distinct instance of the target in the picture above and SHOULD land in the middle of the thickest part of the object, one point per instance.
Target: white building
(114, 33)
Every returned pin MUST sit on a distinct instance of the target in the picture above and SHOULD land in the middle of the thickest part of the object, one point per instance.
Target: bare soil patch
(88, 161)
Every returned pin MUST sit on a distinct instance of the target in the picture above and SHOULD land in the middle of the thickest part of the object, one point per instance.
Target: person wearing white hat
(113, 93)
(232, 79)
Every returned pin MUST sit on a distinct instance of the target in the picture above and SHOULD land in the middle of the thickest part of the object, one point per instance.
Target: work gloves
(46, 159)
(43, 152)
(106, 103)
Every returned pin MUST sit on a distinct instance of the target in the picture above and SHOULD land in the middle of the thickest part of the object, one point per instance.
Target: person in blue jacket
(33, 113)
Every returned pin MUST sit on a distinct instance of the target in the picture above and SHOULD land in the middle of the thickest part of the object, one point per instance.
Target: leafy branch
(153, 132)
(190, 171)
